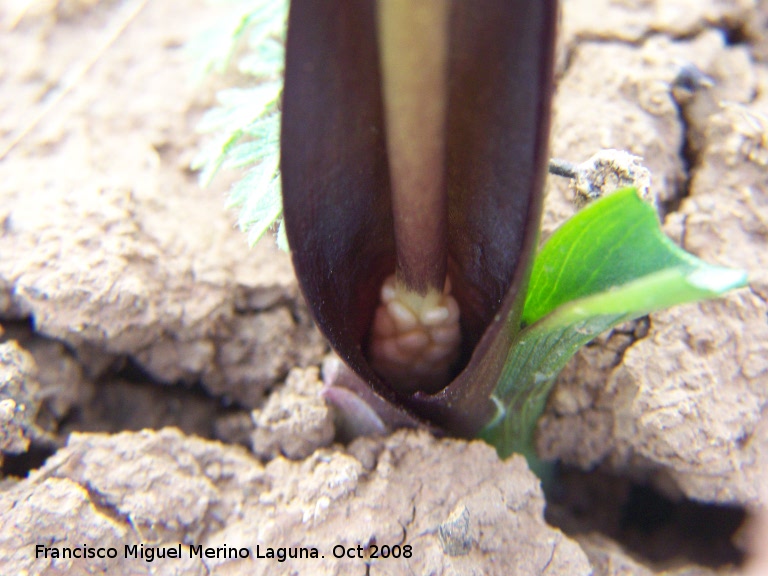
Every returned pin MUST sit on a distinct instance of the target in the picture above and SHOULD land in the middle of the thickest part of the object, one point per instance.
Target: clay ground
(159, 380)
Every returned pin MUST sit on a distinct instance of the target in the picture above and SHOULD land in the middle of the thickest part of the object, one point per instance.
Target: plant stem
(559, 167)
(413, 47)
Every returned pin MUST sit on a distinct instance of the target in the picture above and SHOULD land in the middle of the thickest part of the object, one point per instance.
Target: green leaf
(246, 121)
(266, 60)
(240, 107)
(282, 237)
(609, 243)
(608, 264)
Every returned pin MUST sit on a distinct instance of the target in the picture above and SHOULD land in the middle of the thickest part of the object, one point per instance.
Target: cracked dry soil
(159, 380)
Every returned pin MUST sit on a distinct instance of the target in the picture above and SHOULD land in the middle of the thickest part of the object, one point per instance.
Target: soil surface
(160, 380)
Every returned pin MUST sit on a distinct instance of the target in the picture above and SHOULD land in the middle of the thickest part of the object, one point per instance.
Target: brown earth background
(159, 380)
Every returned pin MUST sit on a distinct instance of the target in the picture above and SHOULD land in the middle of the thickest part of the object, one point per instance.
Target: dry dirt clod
(107, 240)
(454, 533)
(295, 420)
(604, 172)
(19, 399)
(165, 488)
(63, 384)
(631, 21)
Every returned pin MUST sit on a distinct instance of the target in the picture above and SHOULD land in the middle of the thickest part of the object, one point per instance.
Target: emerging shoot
(415, 336)
(413, 142)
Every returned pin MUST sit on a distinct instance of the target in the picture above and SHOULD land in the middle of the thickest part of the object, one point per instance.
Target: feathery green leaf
(246, 120)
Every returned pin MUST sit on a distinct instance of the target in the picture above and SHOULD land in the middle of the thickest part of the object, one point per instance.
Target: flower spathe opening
(415, 337)
(471, 210)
